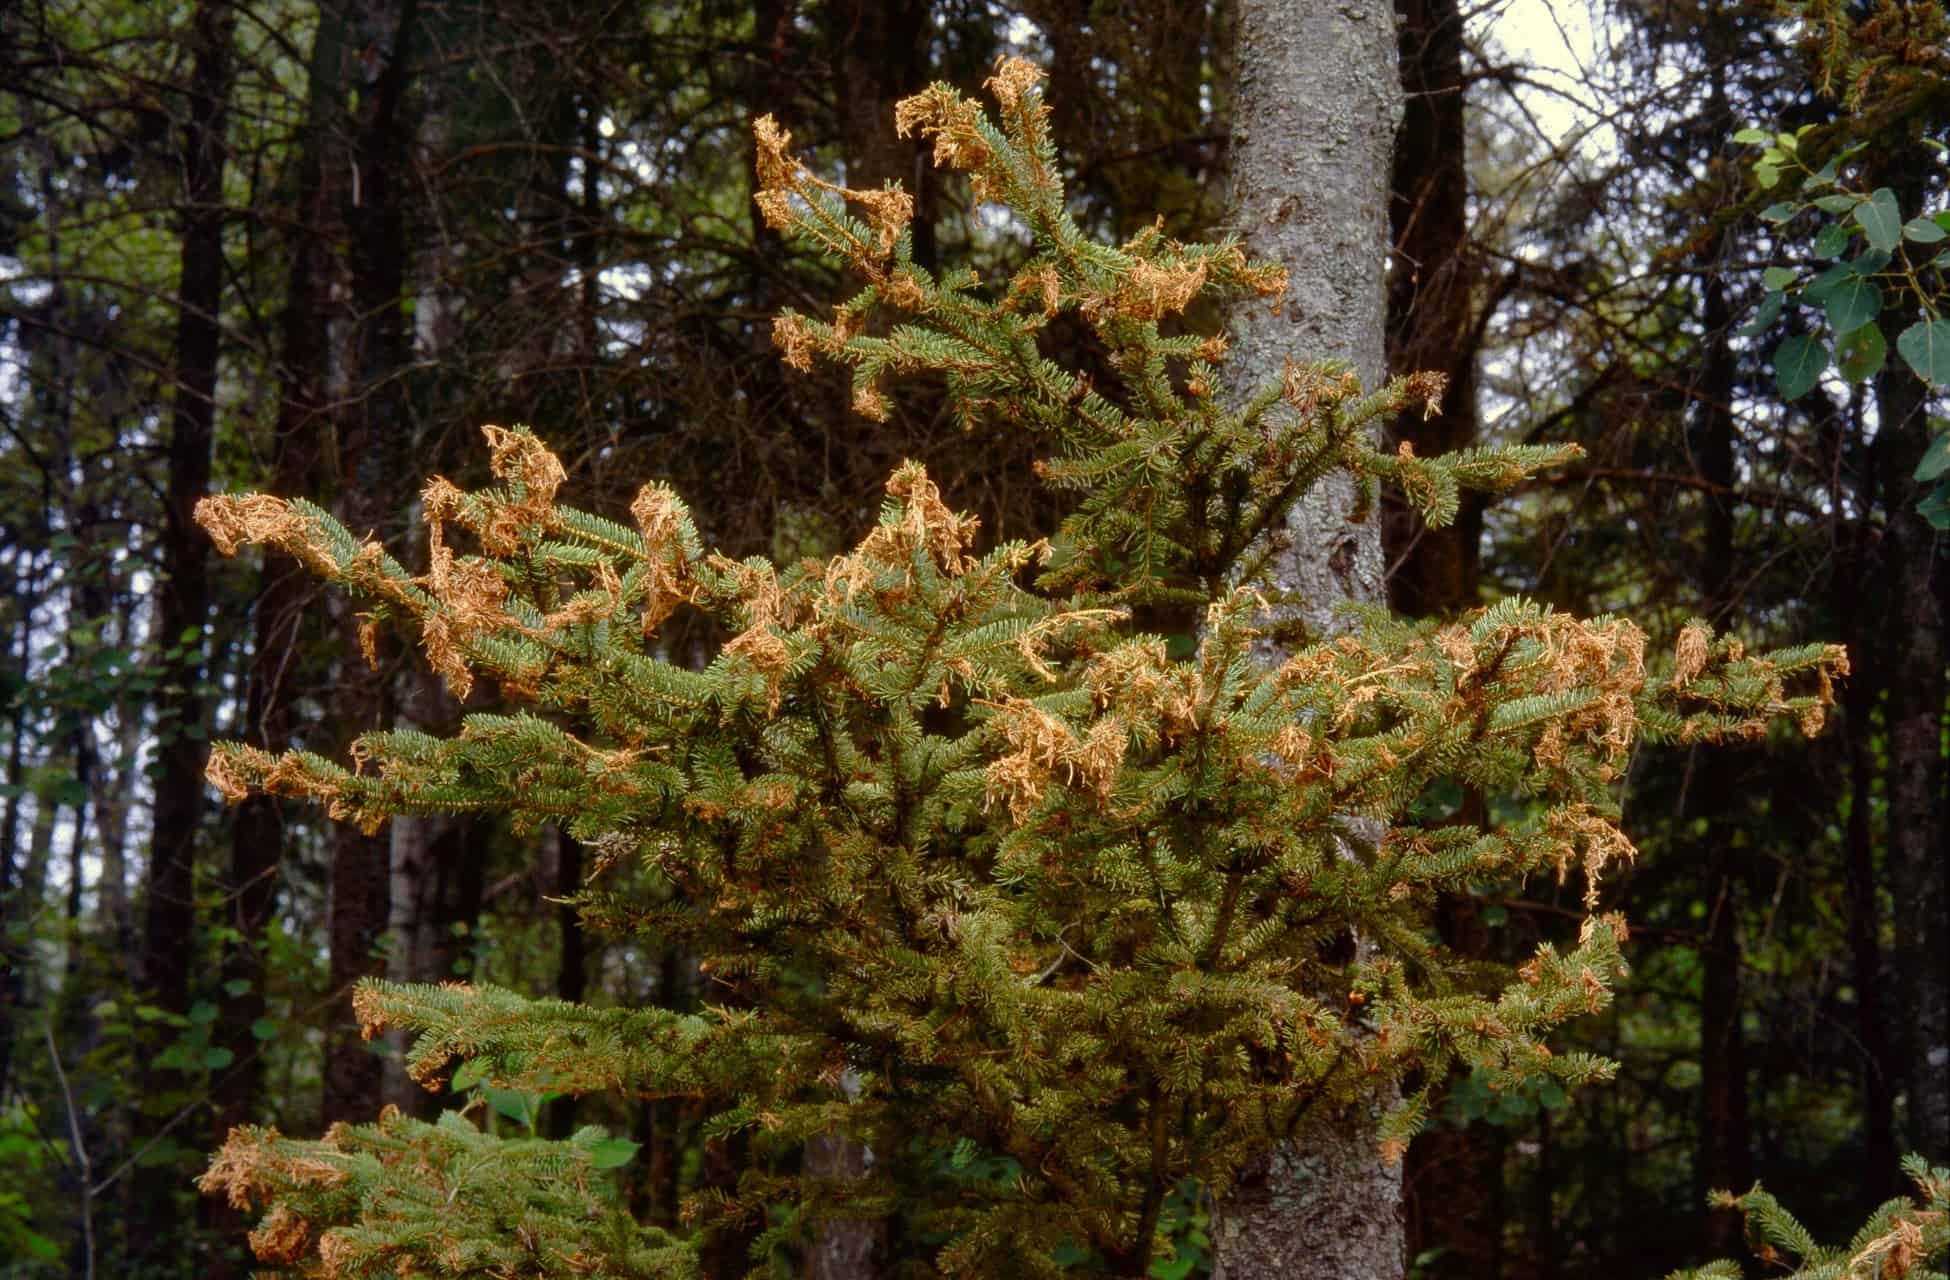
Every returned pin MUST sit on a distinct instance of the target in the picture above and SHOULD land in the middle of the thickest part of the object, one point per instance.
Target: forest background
(309, 248)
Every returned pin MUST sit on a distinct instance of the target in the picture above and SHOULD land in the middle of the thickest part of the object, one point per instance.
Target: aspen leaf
(1867, 264)
(1881, 220)
(1817, 289)
(1852, 304)
(1765, 315)
(1798, 363)
(1935, 460)
(1925, 346)
(1936, 509)
(1860, 355)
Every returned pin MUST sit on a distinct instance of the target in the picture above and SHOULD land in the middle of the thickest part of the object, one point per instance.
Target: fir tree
(984, 869)
(1905, 1237)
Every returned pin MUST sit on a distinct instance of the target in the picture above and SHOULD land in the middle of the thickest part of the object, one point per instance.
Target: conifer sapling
(940, 821)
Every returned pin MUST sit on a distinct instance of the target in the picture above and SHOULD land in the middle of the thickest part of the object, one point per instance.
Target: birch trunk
(1313, 134)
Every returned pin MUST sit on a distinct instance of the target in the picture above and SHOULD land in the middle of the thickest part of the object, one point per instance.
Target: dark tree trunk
(377, 459)
(157, 1236)
(15, 907)
(257, 837)
(1918, 860)
(1546, 1250)
(353, 1074)
(1453, 1178)
(1880, 1069)
(1455, 1201)
(24, 906)
(1454, 1196)
(767, 88)
(882, 56)
(1432, 305)
(1921, 958)
(21, 626)
(1724, 1158)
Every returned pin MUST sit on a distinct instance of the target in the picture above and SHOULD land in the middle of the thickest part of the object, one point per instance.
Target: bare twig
(80, 1155)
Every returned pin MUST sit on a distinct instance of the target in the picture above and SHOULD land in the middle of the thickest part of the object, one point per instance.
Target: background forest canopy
(307, 249)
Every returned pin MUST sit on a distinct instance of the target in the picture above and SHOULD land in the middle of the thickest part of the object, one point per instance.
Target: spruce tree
(992, 879)
(1907, 1236)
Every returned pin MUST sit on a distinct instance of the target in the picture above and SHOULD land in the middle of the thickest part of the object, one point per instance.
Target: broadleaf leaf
(1881, 220)
(1925, 346)
(1798, 363)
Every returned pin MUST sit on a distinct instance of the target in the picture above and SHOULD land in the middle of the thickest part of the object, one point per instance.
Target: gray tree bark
(1312, 139)
(1313, 135)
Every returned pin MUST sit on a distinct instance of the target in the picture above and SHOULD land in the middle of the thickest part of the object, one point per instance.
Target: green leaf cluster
(1871, 249)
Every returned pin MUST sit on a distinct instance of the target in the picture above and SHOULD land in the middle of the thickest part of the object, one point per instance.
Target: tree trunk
(1456, 1203)
(1432, 306)
(17, 909)
(157, 1230)
(436, 902)
(377, 441)
(257, 837)
(1453, 1178)
(1880, 1069)
(1314, 121)
(882, 57)
(20, 601)
(1917, 830)
(115, 798)
(22, 911)
(1724, 1159)
(1918, 859)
